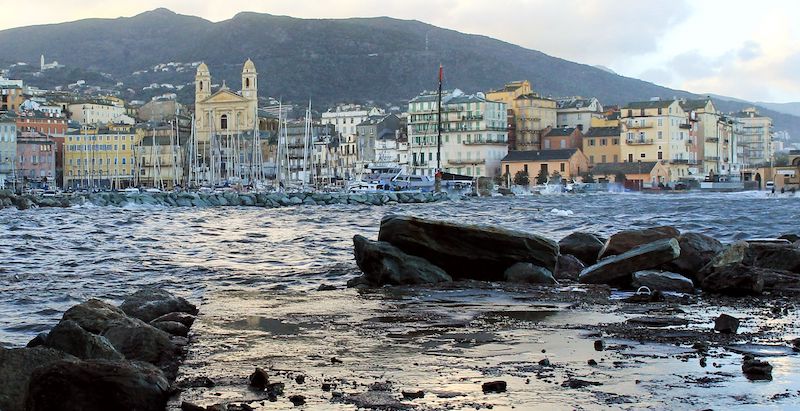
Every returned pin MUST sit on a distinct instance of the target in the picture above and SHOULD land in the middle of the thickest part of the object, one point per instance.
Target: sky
(743, 49)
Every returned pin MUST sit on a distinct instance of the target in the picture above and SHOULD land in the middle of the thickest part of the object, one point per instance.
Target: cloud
(749, 51)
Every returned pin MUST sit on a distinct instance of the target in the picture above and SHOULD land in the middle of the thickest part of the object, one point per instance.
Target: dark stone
(734, 279)
(578, 383)
(529, 274)
(599, 345)
(259, 379)
(783, 257)
(658, 322)
(627, 240)
(592, 362)
(148, 304)
(39, 340)
(411, 395)
(697, 250)
(275, 390)
(644, 297)
(544, 362)
(662, 281)
(94, 315)
(494, 386)
(326, 287)
(297, 400)
(383, 263)
(171, 327)
(468, 251)
(376, 400)
(618, 269)
(726, 324)
(137, 340)
(69, 337)
(95, 385)
(755, 369)
(335, 360)
(326, 386)
(569, 267)
(585, 246)
(300, 379)
(188, 406)
(16, 367)
(179, 317)
(790, 237)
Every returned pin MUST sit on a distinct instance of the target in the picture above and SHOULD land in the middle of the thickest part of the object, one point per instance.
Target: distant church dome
(249, 67)
(202, 69)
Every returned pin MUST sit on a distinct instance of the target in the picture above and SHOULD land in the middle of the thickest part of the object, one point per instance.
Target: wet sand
(448, 340)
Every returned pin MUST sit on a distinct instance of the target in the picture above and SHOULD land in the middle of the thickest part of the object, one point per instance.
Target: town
(509, 137)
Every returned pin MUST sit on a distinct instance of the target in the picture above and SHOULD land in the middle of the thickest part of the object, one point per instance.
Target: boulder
(755, 369)
(69, 337)
(494, 386)
(171, 327)
(618, 269)
(183, 318)
(585, 246)
(95, 385)
(734, 279)
(468, 251)
(139, 341)
(569, 267)
(697, 250)
(790, 237)
(624, 241)
(383, 263)
(529, 273)
(16, 367)
(775, 256)
(94, 315)
(149, 303)
(726, 324)
(662, 281)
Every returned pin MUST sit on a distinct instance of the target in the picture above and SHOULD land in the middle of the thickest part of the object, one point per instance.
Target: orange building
(569, 163)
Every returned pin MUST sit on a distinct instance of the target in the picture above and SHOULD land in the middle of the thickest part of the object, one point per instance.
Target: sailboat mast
(439, 135)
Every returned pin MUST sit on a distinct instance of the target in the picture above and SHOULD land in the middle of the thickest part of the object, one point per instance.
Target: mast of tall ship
(438, 181)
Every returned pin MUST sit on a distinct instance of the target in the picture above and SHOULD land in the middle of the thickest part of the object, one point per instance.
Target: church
(225, 112)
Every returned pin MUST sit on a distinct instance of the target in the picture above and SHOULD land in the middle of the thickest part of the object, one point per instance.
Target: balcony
(472, 117)
(712, 158)
(486, 143)
(682, 161)
(639, 141)
(461, 161)
(712, 139)
(685, 126)
(636, 124)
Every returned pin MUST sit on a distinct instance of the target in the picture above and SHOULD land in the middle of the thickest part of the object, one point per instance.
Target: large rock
(585, 246)
(69, 337)
(467, 251)
(150, 303)
(16, 367)
(139, 341)
(569, 267)
(96, 385)
(529, 273)
(697, 250)
(662, 281)
(775, 256)
(618, 269)
(624, 241)
(94, 315)
(383, 263)
(734, 279)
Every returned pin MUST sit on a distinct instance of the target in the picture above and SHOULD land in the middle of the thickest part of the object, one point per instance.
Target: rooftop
(603, 132)
(540, 155)
(560, 131)
(648, 104)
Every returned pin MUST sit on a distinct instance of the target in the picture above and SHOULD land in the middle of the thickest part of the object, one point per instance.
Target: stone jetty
(193, 199)
(101, 357)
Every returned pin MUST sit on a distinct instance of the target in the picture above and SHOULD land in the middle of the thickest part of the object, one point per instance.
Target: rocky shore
(190, 199)
(101, 357)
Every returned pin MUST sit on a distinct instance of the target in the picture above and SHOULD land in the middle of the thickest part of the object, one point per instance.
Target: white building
(345, 117)
(8, 149)
(756, 138)
(474, 134)
(577, 112)
(99, 113)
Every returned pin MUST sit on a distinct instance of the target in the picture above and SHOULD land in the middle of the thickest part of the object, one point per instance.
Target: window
(660, 121)
(603, 158)
(591, 159)
(563, 143)
(562, 167)
(223, 122)
(247, 82)
(660, 155)
(641, 155)
(630, 158)
(615, 141)
(603, 141)
(660, 135)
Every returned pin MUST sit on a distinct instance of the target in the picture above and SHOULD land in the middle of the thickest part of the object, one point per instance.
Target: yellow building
(569, 163)
(657, 130)
(100, 157)
(161, 154)
(529, 114)
(601, 145)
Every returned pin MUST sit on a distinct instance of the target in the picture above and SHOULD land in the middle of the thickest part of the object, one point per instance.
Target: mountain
(380, 59)
(786, 108)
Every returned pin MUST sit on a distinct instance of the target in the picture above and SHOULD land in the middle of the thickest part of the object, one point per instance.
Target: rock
(139, 341)
(790, 237)
(618, 269)
(569, 267)
(297, 400)
(726, 324)
(529, 274)
(149, 303)
(274, 390)
(592, 362)
(335, 360)
(69, 337)
(784, 257)
(411, 395)
(494, 386)
(326, 386)
(658, 321)
(734, 279)
(377, 400)
(544, 362)
(259, 379)
(755, 369)
(16, 367)
(98, 385)
(183, 318)
(697, 250)
(383, 263)
(40, 339)
(662, 281)
(94, 315)
(599, 345)
(578, 383)
(300, 379)
(326, 287)
(627, 240)
(188, 406)
(585, 246)
(468, 251)
(171, 327)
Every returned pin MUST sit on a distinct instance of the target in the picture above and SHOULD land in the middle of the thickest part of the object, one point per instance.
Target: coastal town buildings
(36, 160)
(577, 112)
(372, 130)
(756, 138)
(100, 157)
(633, 175)
(657, 130)
(99, 112)
(161, 154)
(569, 163)
(529, 114)
(8, 151)
(11, 97)
(347, 117)
(601, 145)
(474, 136)
(561, 137)
(716, 142)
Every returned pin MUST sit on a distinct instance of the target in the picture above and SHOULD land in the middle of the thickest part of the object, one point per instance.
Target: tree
(521, 178)
(588, 178)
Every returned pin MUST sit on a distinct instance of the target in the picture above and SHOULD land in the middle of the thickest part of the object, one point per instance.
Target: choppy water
(51, 259)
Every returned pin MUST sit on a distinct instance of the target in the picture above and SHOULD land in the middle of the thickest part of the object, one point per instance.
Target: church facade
(225, 112)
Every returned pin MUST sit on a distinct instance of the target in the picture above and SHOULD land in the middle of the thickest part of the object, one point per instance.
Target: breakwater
(191, 199)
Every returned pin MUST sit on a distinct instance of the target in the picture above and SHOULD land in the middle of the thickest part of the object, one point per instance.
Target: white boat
(130, 191)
